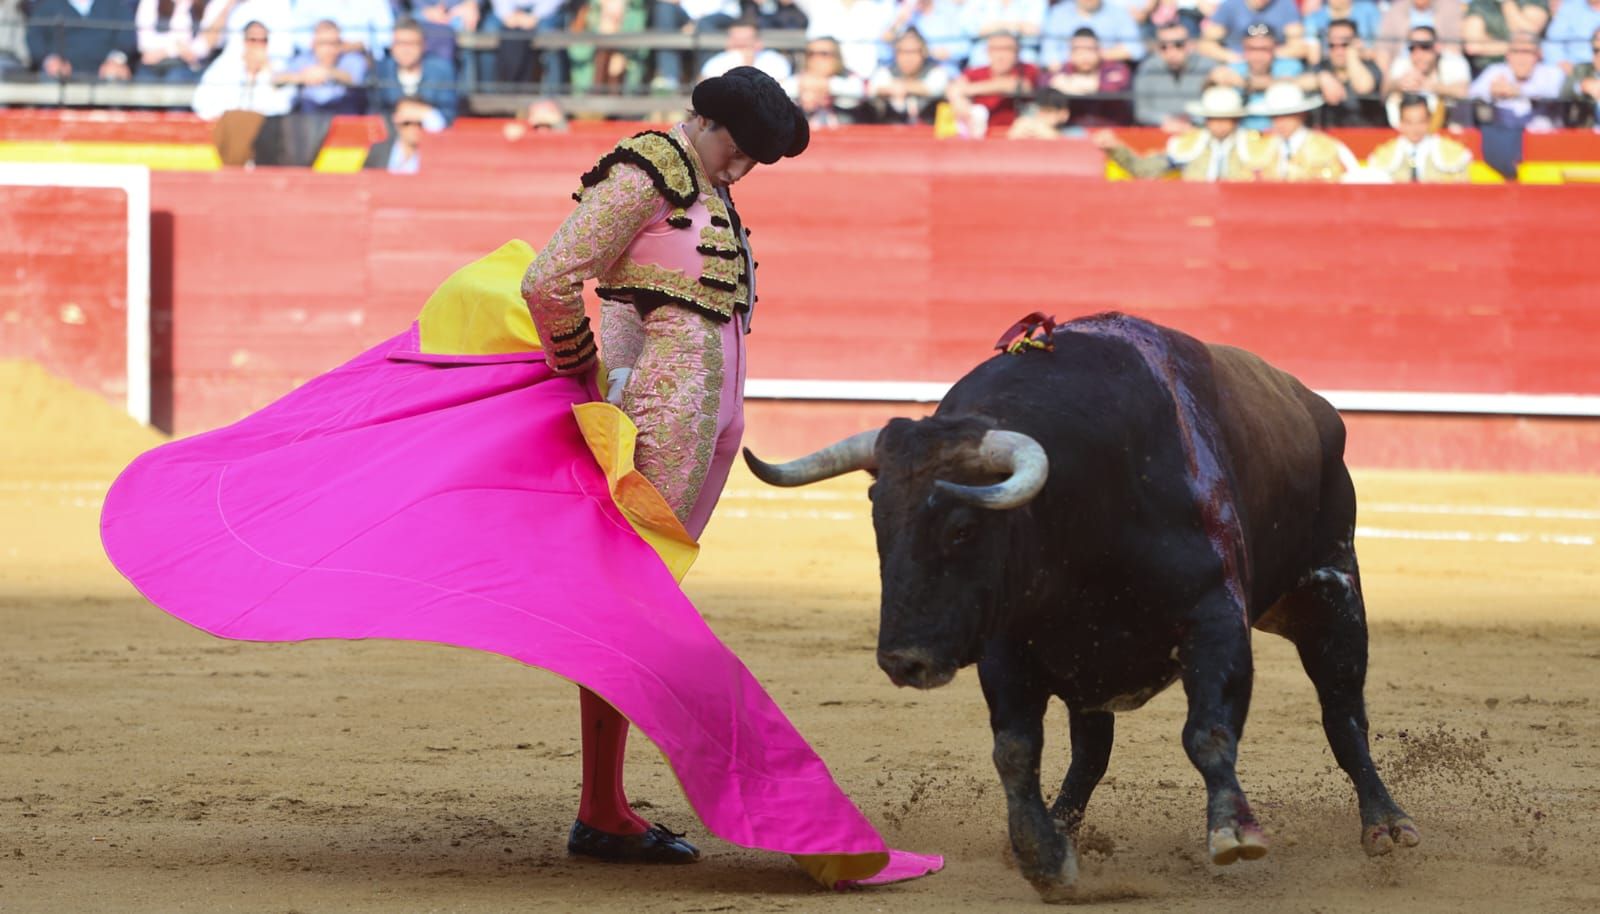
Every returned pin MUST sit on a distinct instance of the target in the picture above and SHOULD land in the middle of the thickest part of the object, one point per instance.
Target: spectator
(225, 20)
(517, 22)
(330, 76)
(1348, 80)
(543, 115)
(1096, 88)
(1300, 153)
(1260, 69)
(942, 24)
(859, 26)
(1224, 36)
(780, 14)
(1443, 16)
(1363, 15)
(1045, 119)
(1568, 39)
(1427, 69)
(986, 97)
(1522, 90)
(367, 26)
(1487, 30)
(13, 38)
(401, 152)
(827, 91)
(688, 17)
(408, 73)
(71, 38)
(607, 69)
(1023, 18)
(1222, 150)
(170, 49)
(442, 21)
(1169, 80)
(744, 49)
(243, 78)
(908, 90)
(1582, 89)
(1111, 21)
(1419, 154)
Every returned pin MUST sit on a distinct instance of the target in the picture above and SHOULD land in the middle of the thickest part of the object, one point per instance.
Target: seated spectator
(595, 68)
(1223, 35)
(225, 20)
(942, 24)
(517, 22)
(1567, 41)
(1582, 88)
(688, 17)
(407, 73)
(908, 91)
(442, 21)
(1300, 153)
(543, 115)
(1443, 16)
(170, 47)
(243, 78)
(744, 49)
(1222, 150)
(13, 38)
(1260, 69)
(1487, 30)
(1023, 18)
(859, 26)
(1439, 76)
(1363, 16)
(779, 14)
(401, 152)
(1045, 119)
(1348, 80)
(987, 97)
(1169, 80)
(329, 75)
(366, 25)
(1087, 80)
(1111, 21)
(1418, 153)
(825, 88)
(72, 40)
(1521, 91)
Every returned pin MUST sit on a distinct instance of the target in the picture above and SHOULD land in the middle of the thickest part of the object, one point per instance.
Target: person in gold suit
(1300, 153)
(1220, 150)
(1418, 154)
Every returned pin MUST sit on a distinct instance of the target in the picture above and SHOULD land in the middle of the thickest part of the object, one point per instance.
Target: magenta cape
(459, 504)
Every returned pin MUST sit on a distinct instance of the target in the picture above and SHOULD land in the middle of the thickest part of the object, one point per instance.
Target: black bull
(1099, 520)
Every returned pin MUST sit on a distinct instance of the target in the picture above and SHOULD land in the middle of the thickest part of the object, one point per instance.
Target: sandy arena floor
(145, 766)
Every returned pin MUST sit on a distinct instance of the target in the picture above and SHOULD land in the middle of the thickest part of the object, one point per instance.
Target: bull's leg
(1091, 751)
(1327, 621)
(1016, 714)
(1217, 671)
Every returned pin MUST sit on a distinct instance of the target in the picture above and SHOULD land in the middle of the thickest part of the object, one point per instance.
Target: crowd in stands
(971, 67)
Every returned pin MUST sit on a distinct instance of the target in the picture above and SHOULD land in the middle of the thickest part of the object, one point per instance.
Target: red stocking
(605, 740)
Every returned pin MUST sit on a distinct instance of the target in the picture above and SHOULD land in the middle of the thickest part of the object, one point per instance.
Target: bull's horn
(856, 452)
(1011, 452)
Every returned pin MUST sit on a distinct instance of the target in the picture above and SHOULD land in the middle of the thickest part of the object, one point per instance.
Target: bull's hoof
(1061, 886)
(1381, 838)
(1231, 843)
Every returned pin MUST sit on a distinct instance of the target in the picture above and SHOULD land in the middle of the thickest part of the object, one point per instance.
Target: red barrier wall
(63, 304)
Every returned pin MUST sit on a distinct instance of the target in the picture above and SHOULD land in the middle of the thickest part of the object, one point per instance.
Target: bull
(1096, 517)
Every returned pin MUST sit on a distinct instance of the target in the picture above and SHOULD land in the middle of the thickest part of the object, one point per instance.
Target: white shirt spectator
(858, 26)
(225, 86)
(767, 61)
(936, 79)
(276, 15)
(1452, 70)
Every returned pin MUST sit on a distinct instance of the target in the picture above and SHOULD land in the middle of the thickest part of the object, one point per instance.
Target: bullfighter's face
(942, 560)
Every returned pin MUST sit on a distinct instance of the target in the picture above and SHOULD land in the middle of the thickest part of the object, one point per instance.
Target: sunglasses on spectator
(1259, 30)
(1176, 43)
(1338, 44)
(250, 40)
(1421, 45)
(819, 52)
(408, 123)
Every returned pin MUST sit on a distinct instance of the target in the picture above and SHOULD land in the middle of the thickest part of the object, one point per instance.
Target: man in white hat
(1220, 150)
(1418, 154)
(1300, 153)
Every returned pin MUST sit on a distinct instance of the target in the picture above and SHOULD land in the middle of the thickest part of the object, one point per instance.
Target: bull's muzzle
(915, 667)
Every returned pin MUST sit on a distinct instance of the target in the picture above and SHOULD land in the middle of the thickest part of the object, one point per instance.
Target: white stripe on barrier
(1378, 401)
(134, 180)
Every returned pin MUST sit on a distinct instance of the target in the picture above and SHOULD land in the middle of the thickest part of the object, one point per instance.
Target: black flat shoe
(658, 845)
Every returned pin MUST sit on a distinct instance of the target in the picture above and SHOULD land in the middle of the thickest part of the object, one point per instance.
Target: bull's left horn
(857, 452)
(1011, 452)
